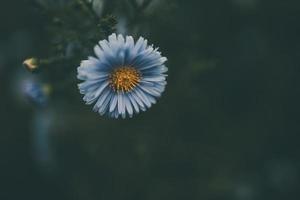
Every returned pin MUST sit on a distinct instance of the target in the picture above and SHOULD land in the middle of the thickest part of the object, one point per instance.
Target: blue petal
(88, 73)
(101, 88)
(150, 91)
(140, 45)
(113, 103)
(142, 96)
(138, 101)
(91, 97)
(88, 86)
(150, 98)
(101, 99)
(128, 50)
(154, 78)
(151, 61)
(120, 103)
(155, 70)
(142, 56)
(128, 106)
(133, 102)
(104, 106)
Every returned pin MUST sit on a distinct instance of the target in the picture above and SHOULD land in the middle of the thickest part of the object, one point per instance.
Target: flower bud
(31, 64)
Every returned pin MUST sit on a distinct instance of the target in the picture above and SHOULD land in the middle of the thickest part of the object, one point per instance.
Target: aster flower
(125, 78)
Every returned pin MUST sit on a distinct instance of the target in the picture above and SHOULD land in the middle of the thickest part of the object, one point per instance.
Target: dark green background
(227, 126)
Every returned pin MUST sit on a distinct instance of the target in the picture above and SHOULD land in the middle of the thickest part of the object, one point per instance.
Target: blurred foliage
(226, 127)
(72, 28)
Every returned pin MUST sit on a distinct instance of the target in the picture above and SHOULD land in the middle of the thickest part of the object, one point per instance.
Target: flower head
(125, 78)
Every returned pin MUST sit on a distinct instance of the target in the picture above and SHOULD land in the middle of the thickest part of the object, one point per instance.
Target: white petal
(98, 51)
(105, 47)
(112, 38)
(129, 42)
(139, 45)
(121, 39)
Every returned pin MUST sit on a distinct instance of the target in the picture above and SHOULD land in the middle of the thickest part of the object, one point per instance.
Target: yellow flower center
(124, 78)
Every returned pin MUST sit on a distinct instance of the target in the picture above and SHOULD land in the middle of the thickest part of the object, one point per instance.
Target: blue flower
(36, 92)
(125, 78)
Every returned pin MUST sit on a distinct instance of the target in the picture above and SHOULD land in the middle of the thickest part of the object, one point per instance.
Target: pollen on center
(124, 78)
